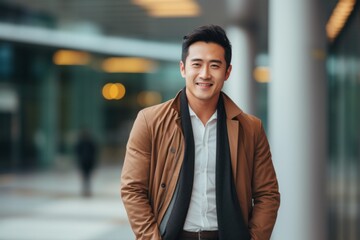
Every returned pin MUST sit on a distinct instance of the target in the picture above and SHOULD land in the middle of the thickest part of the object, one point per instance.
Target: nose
(205, 72)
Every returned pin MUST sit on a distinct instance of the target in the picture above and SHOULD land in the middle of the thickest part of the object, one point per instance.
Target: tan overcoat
(153, 159)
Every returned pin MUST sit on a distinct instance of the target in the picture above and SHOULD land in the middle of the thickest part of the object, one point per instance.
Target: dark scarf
(230, 220)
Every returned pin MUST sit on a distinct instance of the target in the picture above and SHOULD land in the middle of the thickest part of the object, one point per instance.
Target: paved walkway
(48, 206)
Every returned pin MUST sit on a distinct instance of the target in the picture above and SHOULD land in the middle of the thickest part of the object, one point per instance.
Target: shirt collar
(193, 114)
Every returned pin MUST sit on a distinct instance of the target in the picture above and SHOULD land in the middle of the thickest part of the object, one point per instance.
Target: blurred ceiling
(122, 17)
(126, 19)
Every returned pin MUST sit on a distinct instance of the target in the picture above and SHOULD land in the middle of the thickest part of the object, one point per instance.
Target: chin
(204, 97)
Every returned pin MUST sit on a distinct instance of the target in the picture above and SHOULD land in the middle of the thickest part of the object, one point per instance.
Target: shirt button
(172, 150)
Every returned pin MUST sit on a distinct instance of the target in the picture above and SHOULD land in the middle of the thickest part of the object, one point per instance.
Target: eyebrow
(201, 60)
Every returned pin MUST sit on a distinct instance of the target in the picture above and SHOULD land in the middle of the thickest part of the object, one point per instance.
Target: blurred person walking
(197, 166)
(86, 159)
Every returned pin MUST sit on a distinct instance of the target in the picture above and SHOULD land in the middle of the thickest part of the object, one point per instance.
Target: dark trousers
(206, 235)
(181, 238)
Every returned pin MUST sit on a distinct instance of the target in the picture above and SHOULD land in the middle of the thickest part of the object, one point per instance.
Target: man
(197, 167)
(86, 157)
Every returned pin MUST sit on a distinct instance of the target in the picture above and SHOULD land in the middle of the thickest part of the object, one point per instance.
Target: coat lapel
(233, 132)
(233, 125)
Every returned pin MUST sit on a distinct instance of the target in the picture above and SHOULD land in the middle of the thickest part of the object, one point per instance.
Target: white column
(240, 85)
(297, 117)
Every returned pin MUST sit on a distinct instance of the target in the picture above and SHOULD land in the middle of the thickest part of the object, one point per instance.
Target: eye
(195, 64)
(215, 66)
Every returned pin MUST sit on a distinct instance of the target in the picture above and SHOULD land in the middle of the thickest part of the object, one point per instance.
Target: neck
(203, 109)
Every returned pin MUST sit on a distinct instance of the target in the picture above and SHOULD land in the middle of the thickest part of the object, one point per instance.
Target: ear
(228, 71)
(182, 69)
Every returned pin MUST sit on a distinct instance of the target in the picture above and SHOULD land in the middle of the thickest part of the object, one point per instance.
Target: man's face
(204, 71)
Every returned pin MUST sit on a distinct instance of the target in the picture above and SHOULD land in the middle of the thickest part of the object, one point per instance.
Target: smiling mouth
(204, 84)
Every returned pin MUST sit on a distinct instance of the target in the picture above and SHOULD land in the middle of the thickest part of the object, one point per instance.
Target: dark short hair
(207, 33)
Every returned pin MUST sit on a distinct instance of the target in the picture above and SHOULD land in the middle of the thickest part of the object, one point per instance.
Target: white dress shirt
(202, 209)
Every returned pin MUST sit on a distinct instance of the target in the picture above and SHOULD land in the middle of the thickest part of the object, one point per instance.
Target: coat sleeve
(265, 192)
(135, 181)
